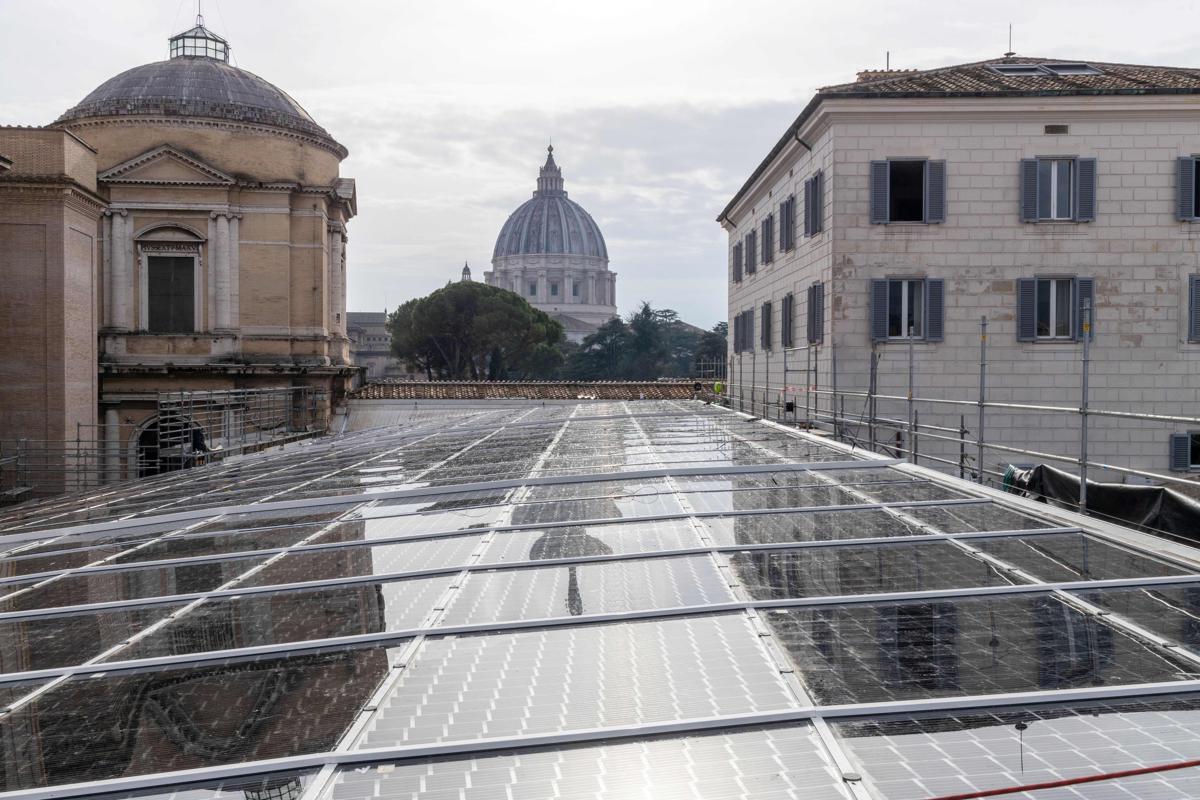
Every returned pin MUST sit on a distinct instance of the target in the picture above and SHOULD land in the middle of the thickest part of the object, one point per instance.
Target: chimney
(876, 74)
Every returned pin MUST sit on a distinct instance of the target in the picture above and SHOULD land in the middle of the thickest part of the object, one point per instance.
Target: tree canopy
(651, 343)
(472, 331)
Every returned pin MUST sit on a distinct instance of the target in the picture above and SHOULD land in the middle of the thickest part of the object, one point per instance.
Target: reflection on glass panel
(595, 508)
(780, 497)
(806, 527)
(280, 786)
(588, 589)
(204, 545)
(132, 723)
(129, 584)
(1172, 612)
(49, 642)
(934, 754)
(618, 538)
(1075, 557)
(293, 616)
(976, 517)
(822, 571)
(901, 651)
(558, 679)
(776, 762)
(366, 559)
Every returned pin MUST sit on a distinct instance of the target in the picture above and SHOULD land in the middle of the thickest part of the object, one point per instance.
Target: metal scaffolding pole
(982, 389)
(1083, 406)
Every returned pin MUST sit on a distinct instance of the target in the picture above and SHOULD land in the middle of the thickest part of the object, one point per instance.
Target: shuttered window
(1058, 189)
(1184, 452)
(814, 204)
(171, 294)
(751, 252)
(764, 340)
(787, 321)
(1193, 308)
(743, 331)
(816, 313)
(903, 308)
(1186, 205)
(737, 263)
(907, 190)
(1051, 308)
(768, 239)
(787, 223)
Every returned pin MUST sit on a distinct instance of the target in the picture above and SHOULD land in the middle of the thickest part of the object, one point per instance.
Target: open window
(908, 190)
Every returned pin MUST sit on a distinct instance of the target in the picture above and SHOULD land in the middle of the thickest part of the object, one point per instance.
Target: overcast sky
(658, 110)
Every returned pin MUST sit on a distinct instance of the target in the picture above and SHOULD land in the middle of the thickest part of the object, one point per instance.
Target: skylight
(1072, 69)
(1033, 70)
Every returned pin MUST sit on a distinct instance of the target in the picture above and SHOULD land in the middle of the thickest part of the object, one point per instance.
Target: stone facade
(1138, 252)
(371, 345)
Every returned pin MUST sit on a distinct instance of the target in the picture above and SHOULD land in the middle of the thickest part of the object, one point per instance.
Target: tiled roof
(526, 390)
(979, 79)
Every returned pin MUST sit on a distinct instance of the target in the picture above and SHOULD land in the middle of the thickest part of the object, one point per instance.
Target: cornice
(205, 122)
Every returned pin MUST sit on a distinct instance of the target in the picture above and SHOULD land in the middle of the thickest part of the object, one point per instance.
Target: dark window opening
(172, 294)
(1195, 451)
(1196, 189)
(906, 191)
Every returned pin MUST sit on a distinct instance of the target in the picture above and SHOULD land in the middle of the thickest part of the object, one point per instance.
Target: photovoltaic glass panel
(560, 679)
(134, 723)
(612, 586)
(939, 754)
(538, 544)
(1075, 557)
(976, 517)
(953, 647)
(1172, 612)
(281, 786)
(826, 571)
(806, 527)
(66, 640)
(777, 763)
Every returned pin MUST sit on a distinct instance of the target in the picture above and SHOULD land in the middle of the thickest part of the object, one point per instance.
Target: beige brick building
(203, 247)
(923, 200)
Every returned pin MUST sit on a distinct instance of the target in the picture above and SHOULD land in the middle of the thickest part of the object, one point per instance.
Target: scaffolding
(184, 429)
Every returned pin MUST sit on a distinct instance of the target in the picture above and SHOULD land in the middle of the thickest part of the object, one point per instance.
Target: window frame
(152, 311)
(533, 287)
(765, 334)
(751, 251)
(894, 162)
(1055, 282)
(1048, 215)
(553, 288)
(1193, 451)
(738, 262)
(908, 281)
(768, 239)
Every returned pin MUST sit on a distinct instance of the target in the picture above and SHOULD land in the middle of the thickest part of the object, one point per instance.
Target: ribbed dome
(550, 223)
(192, 84)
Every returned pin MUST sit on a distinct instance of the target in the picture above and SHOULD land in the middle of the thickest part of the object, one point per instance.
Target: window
(1185, 452)
(787, 321)
(737, 263)
(554, 288)
(1017, 70)
(1193, 308)
(907, 190)
(1071, 69)
(574, 288)
(171, 294)
(533, 288)
(1061, 189)
(1054, 308)
(1188, 185)
(751, 252)
(764, 339)
(787, 223)
(903, 308)
(816, 313)
(814, 208)
(768, 239)
(743, 331)
(1049, 308)
(1043, 70)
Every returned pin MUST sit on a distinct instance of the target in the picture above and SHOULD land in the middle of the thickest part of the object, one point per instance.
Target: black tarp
(1154, 509)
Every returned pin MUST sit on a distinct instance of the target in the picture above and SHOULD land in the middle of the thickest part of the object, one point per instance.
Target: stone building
(551, 252)
(371, 345)
(898, 210)
(219, 261)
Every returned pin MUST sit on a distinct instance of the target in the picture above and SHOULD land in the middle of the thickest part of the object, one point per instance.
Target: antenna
(887, 61)
(1010, 52)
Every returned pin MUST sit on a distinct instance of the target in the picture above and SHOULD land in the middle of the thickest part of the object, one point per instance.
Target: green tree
(712, 348)
(472, 331)
(601, 356)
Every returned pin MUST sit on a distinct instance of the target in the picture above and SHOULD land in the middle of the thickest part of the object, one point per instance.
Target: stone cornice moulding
(76, 194)
(201, 122)
(118, 173)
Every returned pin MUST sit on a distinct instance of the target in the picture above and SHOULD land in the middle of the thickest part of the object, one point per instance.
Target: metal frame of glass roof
(519, 581)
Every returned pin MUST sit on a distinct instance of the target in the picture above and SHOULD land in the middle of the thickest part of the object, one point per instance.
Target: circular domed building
(222, 249)
(551, 252)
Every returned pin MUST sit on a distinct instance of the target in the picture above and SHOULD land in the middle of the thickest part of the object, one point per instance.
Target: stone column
(122, 272)
(612, 288)
(336, 306)
(569, 286)
(543, 288)
(234, 269)
(107, 255)
(220, 256)
(341, 295)
(112, 446)
(591, 288)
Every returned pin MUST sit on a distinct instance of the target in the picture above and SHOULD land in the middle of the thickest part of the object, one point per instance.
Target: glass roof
(594, 600)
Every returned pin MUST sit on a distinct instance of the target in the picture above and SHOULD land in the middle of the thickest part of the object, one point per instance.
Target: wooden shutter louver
(1085, 189)
(935, 309)
(765, 327)
(1194, 308)
(935, 191)
(1180, 452)
(816, 313)
(879, 192)
(1185, 200)
(1029, 190)
(879, 309)
(1026, 309)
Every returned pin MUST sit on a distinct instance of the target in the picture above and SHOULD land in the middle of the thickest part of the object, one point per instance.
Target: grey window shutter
(1185, 202)
(1181, 452)
(1194, 308)
(808, 201)
(818, 205)
(819, 307)
(879, 309)
(1026, 309)
(879, 192)
(1085, 189)
(1085, 289)
(1029, 190)
(810, 327)
(935, 309)
(935, 191)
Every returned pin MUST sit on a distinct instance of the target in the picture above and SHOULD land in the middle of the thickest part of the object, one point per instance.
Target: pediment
(166, 165)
